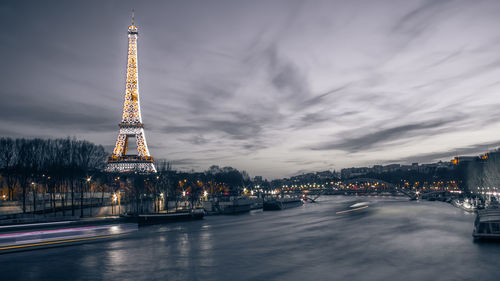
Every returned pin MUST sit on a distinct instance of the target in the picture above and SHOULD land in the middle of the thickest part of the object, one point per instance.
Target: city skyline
(275, 89)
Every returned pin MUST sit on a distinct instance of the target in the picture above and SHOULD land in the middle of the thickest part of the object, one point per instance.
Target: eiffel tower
(131, 125)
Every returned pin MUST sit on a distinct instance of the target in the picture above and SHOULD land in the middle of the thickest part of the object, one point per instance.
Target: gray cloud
(36, 110)
(314, 118)
(238, 126)
(286, 77)
(385, 136)
(420, 18)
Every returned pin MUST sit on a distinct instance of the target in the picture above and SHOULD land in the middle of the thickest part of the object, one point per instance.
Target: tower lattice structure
(131, 125)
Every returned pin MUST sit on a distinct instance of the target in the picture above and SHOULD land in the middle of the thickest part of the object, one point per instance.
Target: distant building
(354, 172)
(464, 159)
(257, 179)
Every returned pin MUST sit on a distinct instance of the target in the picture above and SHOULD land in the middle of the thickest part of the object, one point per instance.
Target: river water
(390, 239)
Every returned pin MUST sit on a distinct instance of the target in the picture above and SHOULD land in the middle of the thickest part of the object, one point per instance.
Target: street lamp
(34, 197)
(115, 198)
(162, 201)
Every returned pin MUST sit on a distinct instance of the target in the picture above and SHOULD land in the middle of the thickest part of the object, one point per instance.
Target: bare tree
(7, 161)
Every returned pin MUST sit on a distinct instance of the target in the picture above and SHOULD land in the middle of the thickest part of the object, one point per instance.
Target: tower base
(130, 164)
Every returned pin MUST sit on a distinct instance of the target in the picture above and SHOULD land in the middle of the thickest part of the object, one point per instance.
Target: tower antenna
(133, 16)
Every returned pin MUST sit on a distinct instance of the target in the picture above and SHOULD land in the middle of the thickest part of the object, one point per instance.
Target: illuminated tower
(131, 125)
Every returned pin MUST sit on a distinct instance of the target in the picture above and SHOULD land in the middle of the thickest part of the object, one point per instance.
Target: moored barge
(487, 224)
(273, 204)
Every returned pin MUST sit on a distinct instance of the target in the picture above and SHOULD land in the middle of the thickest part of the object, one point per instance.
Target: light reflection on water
(390, 240)
(206, 245)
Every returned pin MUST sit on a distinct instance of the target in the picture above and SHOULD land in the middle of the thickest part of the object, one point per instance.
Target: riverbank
(227, 206)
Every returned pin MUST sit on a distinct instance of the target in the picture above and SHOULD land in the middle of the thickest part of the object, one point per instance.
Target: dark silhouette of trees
(232, 179)
(57, 175)
(40, 166)
(7, 161)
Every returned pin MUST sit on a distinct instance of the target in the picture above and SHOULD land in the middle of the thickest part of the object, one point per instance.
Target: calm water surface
(392, 239)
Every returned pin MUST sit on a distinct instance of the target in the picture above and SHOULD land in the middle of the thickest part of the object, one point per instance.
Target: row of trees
(48, 166)
(70, 172)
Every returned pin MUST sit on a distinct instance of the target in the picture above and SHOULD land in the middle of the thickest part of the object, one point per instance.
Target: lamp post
(119, 203)
(157, 202)
(33, 186)
(115, 198)
(162, 201)
(81, 196)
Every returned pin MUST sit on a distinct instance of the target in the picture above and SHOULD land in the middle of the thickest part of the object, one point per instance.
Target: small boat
(487, 224)
(466, 205)
(281, 203)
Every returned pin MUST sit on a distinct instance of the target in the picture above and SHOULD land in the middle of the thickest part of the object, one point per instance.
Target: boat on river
(272, 204)
(228, 205)
(468, 205)
(235, 206)
(487, 224)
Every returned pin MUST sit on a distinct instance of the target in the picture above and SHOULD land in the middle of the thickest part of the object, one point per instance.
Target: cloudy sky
(275, 88)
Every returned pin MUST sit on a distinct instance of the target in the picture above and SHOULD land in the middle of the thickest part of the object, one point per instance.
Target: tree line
(48, 166)
(70, 172)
